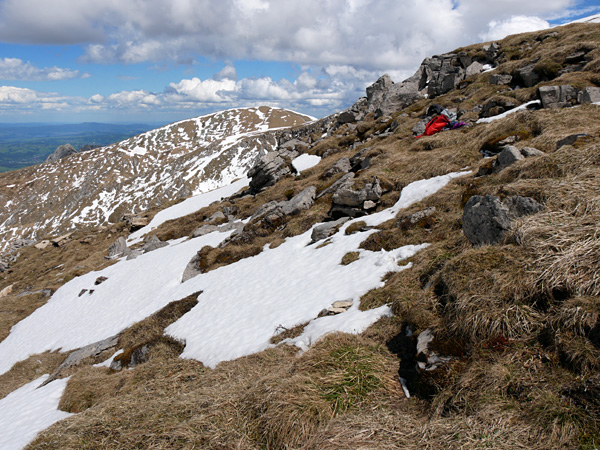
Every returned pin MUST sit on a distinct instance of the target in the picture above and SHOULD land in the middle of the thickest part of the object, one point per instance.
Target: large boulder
(508, 156)
(376, 91)
(341, 166)
(486, 220)
(61, 152)
(118, 248)
(558, 96)
(589, 95)
(349, 197)
(327, 229)
(267, 170)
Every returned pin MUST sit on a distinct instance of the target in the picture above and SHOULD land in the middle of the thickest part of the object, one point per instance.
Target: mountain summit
(143, 172)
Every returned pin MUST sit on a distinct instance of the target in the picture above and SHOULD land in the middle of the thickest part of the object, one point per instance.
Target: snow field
(241, 305)
(29, 410)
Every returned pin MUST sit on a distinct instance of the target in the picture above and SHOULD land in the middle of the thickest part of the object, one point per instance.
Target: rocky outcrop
(327, 229)
(348, 202)
(77, 356)
(589, 95)
(118, 248)
(558, 96)
(342, 165)
(61, 152)
(268, 169)
(486, 220)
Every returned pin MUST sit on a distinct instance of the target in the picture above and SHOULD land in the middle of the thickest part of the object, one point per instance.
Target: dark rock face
(590, 95)
(495, 107)
(61, 152)
(487, 219)
(558, 96)
(327, 229)
(269, 169)
(526, 76)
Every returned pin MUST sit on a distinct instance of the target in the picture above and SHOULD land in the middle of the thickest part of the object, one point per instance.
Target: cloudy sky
(157, 61)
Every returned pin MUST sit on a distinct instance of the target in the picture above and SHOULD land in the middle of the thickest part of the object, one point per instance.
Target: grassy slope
(520, 319)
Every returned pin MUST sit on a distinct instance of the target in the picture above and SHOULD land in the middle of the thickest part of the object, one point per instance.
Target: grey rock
(346, 117)
(237, 227)
(570, 140)
(486, 220)
(427, 359)
(204, 229)
(134, 254)
(419, 128)
(508, 156)
(526, 76)
(341, 166)
(139, 355)
(118, 248)
(590, 95)
(339, 211)
(300, 202)
(77, 356)
(327, 229)
(558, 96)
(376, 91)
(349, 197)
(100, 280)
(343, 182)
(411, 220)
(268, 169)
(474, 68)
(219, 215)
(61, 152)
(369, 204)
(528, 152)
(154, 243)
(500, 79)
(495, 107)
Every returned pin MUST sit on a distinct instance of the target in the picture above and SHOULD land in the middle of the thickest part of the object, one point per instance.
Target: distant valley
(25, 144)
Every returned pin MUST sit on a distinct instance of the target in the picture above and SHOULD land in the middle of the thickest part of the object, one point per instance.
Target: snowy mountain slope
(172, 162)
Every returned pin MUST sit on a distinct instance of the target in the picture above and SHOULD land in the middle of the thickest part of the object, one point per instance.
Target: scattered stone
(341, 166)
(300, 202)
(61, 240)
(204, 229)
(42, 244)
(218, 216)
(589, 95)
(348, 197)
(572, 139)
(6, 291)
(500, 79)
(526, 76)
(327, 229)
(496, 107)
(486, 220)
(344, 181)
(508, 156)
(83, 353)
(100, 280)
(118, 248)
(528, 152)
(420, 127)
(83, 291)
(135, 221)
(336, 308)
(154, 243)
(474, 68)
(137, 355)
(134, 254)
(368, 205)
(417, 219)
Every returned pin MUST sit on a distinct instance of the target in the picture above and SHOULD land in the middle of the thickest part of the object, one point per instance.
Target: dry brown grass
(520, 319)
(28, 370)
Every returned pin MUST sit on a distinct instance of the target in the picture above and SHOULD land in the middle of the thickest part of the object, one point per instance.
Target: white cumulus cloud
(17, 69)
(514, 25)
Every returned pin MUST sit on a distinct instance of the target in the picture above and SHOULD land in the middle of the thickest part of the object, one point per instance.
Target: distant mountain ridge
(142, 172)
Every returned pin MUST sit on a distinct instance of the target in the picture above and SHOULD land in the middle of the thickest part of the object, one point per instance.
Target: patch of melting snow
(241, 305)
(29, 410)
(510, 111)
(305, 161)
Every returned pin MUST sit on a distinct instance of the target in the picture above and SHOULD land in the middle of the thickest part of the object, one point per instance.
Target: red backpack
(435, 125)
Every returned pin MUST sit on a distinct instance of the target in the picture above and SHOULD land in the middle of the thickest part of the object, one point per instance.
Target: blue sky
(157, 61)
